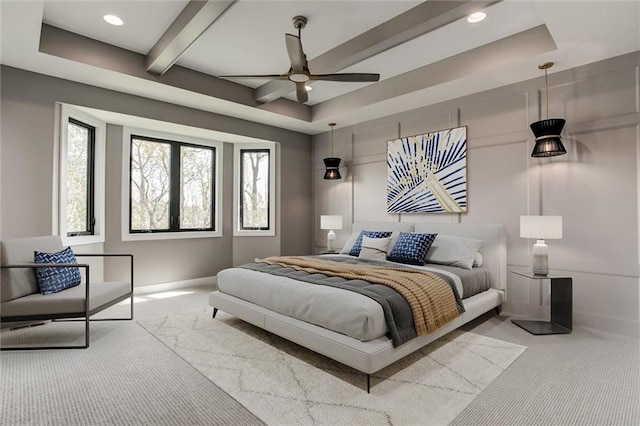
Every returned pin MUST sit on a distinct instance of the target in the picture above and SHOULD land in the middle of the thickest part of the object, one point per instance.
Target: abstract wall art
(428, 173)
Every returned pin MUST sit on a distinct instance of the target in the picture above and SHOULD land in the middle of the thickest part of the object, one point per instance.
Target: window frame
(90, 219)
(127, 234)
(237, 184)
(96, 208)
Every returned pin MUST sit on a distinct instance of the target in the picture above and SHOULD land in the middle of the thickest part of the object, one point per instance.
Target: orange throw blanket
(430, 297)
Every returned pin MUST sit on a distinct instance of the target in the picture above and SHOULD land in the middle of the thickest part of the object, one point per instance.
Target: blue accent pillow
(53, 280)
(411, 248)
(357, 245)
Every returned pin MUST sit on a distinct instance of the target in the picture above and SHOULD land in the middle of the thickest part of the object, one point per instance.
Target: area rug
(285, 384)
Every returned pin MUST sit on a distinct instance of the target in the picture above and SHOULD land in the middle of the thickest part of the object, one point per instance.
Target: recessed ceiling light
(474, 18)
(309, 88)
(113, 20)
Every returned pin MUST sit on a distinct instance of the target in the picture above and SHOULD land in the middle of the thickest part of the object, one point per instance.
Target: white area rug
(285, 384)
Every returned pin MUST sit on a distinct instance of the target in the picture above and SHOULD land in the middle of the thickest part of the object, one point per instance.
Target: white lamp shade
(330, 221)
(541, 227)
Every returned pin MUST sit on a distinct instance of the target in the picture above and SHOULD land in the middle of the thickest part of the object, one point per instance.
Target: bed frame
(372, 356)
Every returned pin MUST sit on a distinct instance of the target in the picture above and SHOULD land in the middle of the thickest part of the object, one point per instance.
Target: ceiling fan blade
(296, 55)
(301, 93)
(347, 77)
(271, 76)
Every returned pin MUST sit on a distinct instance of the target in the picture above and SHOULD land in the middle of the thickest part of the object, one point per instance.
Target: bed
(367, 348)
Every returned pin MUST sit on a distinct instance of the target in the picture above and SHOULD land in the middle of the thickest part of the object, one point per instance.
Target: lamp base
(331, 238)
(540, 258)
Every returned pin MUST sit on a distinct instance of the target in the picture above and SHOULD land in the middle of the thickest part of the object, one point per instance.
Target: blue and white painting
(428, 173)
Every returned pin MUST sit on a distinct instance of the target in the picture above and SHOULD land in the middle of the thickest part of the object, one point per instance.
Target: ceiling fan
(299, 72)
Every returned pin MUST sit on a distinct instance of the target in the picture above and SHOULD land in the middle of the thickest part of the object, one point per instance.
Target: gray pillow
(374, 248)
(453, 251)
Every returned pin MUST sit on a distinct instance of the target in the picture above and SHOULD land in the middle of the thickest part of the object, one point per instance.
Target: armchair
(20, 299)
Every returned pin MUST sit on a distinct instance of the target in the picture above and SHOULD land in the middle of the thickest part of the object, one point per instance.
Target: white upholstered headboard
(493, 249)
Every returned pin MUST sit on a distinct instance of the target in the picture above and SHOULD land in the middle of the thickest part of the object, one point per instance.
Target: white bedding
(339, 310)
(373, 355)
(343, 311)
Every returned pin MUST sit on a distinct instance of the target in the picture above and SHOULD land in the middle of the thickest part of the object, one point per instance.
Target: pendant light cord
(332, 125)
(332, 141)
(545, 67)
(546, 90)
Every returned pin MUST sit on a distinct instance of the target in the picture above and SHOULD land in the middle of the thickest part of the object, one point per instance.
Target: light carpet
(126, 377)
(285, 384)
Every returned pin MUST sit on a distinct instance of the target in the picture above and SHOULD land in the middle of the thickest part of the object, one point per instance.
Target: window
(254, 189)
(171, 186)
(254, 195)
(79, 176)
(196, 187)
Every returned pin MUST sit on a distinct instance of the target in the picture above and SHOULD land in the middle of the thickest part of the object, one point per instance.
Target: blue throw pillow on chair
(54, 280)
(411, 248)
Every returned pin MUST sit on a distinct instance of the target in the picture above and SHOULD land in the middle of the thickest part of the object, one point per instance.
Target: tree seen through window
(80, 144)
(171, 186)
(254, 181)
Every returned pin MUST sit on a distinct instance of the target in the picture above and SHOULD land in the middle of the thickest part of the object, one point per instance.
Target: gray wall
(27, 138)
(594, 187)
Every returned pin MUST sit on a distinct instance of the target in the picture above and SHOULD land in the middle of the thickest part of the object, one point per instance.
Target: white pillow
(374, 248)
(477, 260)
(352, 239)
(453, 251)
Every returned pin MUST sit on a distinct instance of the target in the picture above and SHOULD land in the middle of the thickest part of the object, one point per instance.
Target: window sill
(82, 240)
(247, 233)
(145, 236)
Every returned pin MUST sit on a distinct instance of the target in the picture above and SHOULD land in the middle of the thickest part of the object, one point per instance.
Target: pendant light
(332, 163)
(547, 132)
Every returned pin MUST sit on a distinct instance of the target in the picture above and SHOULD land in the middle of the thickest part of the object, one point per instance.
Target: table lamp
(330, 222)
(541, 228)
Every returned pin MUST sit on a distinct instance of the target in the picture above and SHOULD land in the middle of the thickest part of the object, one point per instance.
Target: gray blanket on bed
(397, 311)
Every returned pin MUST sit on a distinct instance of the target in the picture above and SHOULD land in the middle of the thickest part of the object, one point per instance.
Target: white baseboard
(196, 282)
(613, 325)
(581, 319)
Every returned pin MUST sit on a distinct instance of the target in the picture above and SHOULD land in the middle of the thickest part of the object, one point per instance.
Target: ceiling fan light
(298, 77)
(548, 142)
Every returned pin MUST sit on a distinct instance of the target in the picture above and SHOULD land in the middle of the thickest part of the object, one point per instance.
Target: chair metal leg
(86, 331)
(368, 383)
(41, 348)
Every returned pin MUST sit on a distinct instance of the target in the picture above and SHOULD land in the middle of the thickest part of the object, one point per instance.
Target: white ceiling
(249, 39)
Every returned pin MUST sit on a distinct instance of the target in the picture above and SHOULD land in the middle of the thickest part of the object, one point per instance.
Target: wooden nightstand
(561, 305)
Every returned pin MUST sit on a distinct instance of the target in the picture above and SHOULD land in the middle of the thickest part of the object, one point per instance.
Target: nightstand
(327, 252)
(561, 305)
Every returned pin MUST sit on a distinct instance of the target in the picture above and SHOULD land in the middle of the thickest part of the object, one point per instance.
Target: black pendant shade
(547, 133)
(332, 164)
